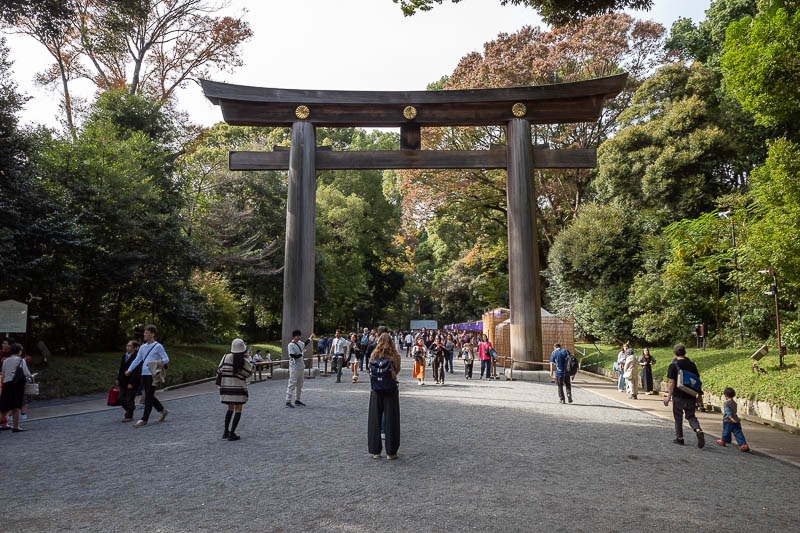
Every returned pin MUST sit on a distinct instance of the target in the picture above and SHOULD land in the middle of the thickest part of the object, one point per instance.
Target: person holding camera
(297, 364)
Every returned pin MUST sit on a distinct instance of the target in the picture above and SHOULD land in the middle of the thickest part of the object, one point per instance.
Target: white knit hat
(238, 346)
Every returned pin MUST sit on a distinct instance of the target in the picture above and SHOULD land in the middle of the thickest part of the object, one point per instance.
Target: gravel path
(480, 456)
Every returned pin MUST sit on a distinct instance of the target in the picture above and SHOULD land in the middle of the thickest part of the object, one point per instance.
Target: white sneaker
(23, 417)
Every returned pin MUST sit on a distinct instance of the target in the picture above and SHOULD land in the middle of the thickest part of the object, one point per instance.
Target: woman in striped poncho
(232, 374)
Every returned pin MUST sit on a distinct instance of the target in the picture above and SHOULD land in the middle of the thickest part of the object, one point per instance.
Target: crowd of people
(436, 350)
(378, 353)
(630, 370)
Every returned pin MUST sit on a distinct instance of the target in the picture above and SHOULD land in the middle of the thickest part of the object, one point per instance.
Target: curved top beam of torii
(558, 103)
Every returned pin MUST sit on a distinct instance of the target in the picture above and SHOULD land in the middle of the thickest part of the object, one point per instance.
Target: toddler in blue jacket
(731, 422)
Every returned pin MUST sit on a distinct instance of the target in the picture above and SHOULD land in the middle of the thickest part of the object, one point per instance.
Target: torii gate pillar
(524, 290)
(301, 213)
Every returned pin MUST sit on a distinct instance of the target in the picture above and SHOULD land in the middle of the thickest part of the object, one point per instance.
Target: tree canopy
(555, 12)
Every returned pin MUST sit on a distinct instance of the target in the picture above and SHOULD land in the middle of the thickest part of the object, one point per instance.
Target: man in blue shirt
(149, 352)
(558, 369)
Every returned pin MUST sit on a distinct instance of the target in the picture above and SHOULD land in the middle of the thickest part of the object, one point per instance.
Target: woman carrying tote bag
(232, 374)
(15, 375)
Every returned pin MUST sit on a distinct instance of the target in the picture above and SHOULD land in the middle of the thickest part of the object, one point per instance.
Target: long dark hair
(238, 361)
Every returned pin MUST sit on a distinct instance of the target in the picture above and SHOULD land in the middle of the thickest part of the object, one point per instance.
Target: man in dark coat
(128, 384)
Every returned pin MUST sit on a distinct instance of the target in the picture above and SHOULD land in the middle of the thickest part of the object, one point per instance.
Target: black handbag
(19, 374)
(218, 381)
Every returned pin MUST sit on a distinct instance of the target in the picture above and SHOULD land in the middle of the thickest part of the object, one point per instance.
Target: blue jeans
(621, 378)
(487, 365)
(736, 429)
(448, 361)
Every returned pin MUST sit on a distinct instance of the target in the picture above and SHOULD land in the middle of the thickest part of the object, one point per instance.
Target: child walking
(731, 422)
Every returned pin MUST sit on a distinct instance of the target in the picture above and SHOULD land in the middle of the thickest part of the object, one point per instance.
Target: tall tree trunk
(67, 97)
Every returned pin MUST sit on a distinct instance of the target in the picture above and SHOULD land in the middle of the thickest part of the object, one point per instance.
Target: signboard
(427, 324)
(13, 317)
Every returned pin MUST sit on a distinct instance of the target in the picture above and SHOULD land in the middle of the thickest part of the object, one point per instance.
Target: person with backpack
(561, 368)
(384, 398)
(232, 373)
(684, 389)
(151, 355)
(15, 375)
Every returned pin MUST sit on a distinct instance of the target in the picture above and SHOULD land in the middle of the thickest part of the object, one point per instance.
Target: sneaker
(226, 434)
(23, 417)
(678, 441)
(376, 456)
(233, 437)
(164, 414)
(721, 442)
(701, 438)
(569, 399)
(745, 448)
(391, 457)
(299, 403)
(140, 423)
(289, 404)
(561, 401)
(126, 420)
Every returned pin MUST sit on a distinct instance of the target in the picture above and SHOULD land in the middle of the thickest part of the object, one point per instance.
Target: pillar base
(540, 376)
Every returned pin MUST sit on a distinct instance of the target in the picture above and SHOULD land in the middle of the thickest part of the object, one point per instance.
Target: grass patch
(97, 372)
(720, 368)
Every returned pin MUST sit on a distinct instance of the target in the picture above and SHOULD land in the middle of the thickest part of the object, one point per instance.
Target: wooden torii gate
(516, 108)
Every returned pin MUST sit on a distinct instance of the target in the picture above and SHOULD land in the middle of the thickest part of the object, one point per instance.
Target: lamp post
(774, 292)
(726, 216)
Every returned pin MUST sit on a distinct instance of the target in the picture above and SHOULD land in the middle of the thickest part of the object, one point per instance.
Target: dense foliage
(130, 214)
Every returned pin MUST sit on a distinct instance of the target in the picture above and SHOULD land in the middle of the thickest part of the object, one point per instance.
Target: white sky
(341, 44)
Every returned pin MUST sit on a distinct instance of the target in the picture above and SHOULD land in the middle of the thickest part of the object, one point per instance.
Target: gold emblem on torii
(410, 112)
(519, 109)
(302, 112)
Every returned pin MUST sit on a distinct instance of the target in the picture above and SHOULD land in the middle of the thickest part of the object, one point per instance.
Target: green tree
(131, 263)
(34, 228)
(760, 63)
(705, 41)
(590, 268)
(676, 151)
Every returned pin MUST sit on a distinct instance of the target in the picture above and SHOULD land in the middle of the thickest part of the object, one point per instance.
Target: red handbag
(113, 397)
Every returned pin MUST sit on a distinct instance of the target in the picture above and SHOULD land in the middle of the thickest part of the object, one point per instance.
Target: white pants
(295, 387)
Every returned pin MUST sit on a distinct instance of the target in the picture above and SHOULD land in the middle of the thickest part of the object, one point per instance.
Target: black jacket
(134, 378)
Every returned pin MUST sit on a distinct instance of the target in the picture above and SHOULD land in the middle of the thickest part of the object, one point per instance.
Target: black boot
(228, 416)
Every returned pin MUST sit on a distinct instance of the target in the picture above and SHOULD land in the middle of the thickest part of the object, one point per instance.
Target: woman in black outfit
(384, 398)
(646, 361)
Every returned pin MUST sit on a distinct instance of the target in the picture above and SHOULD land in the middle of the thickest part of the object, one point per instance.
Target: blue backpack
(380, 371)
(690, 383)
